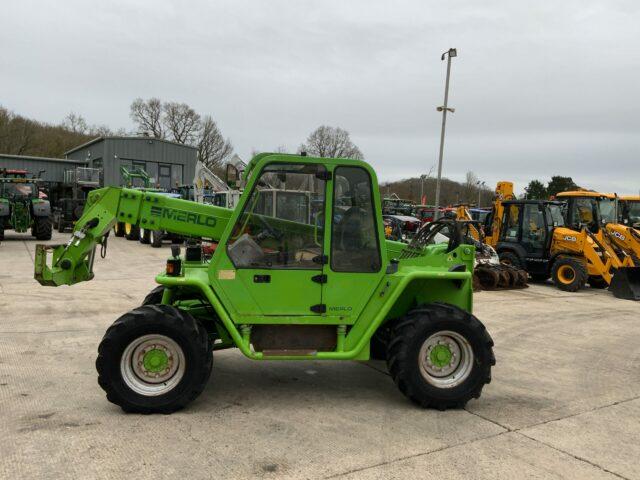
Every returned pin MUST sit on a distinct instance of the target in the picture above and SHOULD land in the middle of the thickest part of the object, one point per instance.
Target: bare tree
(100, 131)
(181, 121)
(213, 148)
(331, 142)
(470, 191)
(147, 114)
(76, 123)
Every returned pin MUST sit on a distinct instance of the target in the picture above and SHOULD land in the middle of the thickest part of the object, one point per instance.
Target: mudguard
(41, 208)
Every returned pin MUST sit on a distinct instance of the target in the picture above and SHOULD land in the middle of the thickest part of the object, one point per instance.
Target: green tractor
(326, 286)
(21, 207)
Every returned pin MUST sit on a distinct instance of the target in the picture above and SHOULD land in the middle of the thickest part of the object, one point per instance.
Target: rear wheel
(118, 229)
(156, 238)
(510, 258)
(131, 232)
(569, 274)
(154, 359)
(145, 236)
(42, 228)
(440, 356)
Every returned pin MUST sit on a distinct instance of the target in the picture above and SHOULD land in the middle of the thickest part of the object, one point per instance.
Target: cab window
(354, 236)
(277, 227)
(511, 223)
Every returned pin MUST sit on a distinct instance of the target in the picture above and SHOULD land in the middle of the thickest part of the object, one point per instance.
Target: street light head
(452, 52)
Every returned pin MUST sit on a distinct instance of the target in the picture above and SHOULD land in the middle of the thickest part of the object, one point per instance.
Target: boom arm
(202, 177)
(73, 262)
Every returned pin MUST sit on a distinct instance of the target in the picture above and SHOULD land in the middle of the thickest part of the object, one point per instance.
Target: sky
(539, 88)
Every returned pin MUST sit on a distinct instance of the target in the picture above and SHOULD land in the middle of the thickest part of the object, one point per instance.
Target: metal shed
(54, 168)
(170, 164)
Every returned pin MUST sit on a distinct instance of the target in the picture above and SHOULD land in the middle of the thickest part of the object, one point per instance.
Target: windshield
(607, 208)
(554, 213)
(18, 189)
(632, 211)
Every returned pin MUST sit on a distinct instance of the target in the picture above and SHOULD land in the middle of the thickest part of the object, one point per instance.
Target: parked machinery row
(574, 240)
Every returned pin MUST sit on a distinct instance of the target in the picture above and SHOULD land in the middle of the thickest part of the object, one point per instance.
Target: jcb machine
(534, 235)
(277, 289)
(21, 207)
(597, 212)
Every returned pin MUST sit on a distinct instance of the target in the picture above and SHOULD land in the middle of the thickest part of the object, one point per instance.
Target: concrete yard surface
(564, 401)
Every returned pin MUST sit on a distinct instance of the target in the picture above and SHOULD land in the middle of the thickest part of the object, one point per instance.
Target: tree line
(537, 190)
(167, 120)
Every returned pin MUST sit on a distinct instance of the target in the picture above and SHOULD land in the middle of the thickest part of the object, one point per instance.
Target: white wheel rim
(150, 382)
(452, 370)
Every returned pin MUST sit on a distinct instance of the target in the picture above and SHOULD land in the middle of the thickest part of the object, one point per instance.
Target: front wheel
(156, 238)
(440, 356)
(154, 359)
(145, 236)
(569, 274)
(131, 232)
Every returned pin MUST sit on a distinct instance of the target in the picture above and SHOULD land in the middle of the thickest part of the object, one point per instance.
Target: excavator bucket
(626, 283)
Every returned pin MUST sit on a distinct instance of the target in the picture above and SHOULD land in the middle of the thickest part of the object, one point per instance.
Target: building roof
(44, 159)
(124, 137)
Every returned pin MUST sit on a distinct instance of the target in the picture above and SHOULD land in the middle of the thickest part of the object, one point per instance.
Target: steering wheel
(268, 229)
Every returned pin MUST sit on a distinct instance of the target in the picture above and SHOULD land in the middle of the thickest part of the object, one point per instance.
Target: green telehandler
(21, 207)
(323, 286)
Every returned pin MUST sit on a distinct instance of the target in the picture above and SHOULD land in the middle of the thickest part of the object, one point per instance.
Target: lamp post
(452, 52)
(480, 185)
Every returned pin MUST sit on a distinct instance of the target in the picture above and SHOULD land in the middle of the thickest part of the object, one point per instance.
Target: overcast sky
(540, 88)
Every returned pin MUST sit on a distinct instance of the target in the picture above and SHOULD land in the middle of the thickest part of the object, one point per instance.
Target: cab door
(276, 245)
(354, 264)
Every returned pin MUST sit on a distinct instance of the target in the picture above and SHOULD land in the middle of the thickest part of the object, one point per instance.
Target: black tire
(156, 238)
(154, 297)
(134, 233)
(42, 228)
(539, 277)
(60, 225)
(145, 236)
(409, 336)
(597, 282)
(1, 232)
(118, 229)
(511, 258)
(379, 342)
(169, 322)
(569, 274)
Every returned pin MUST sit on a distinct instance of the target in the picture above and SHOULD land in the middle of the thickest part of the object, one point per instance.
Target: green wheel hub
(440, 356)
(155, 360)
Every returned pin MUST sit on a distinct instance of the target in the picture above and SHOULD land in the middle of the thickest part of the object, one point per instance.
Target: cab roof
(585, 193)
